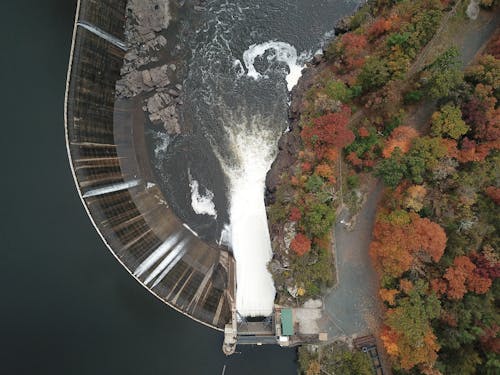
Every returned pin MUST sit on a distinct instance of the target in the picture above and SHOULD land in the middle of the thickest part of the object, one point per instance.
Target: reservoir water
(67, 306)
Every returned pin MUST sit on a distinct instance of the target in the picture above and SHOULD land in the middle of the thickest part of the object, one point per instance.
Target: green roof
(287, 322)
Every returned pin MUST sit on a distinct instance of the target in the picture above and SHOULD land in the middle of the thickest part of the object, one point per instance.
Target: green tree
(445, 75)
(448, 122)
(374, 73)
(318, 219)
(392, 170)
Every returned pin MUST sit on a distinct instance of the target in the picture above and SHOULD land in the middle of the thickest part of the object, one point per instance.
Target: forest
(436, 236)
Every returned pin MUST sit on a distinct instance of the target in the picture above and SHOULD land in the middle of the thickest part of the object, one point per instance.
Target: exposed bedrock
(290, 142)
(142, 72)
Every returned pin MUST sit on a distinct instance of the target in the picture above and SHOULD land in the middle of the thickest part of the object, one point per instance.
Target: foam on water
(279, 51)
(202, 204)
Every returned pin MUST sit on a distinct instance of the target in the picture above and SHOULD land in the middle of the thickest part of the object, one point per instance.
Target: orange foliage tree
(462, 277)
(401, 137)
(402, 240)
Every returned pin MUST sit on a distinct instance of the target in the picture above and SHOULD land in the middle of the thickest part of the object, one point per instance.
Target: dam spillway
(106, 148)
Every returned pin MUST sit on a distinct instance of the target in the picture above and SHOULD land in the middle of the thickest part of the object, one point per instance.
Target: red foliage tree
(295, 214)
(457, 275)
(494, 193)
(354, 159)
(353, 46)
(328, 131)
(379, 27)
(300, 244)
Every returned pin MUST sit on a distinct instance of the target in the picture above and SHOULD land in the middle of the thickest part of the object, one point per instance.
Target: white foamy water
(279, 51)
(253, 148)
(202, 204)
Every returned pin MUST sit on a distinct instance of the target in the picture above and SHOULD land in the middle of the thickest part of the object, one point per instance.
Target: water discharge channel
(244, 59)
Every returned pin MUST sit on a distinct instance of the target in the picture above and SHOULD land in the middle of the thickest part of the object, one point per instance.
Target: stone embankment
(143, 74)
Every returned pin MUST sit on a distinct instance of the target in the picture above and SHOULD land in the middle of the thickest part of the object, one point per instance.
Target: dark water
(67, 307)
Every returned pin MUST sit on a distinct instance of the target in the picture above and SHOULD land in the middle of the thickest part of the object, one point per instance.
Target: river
(67, 306)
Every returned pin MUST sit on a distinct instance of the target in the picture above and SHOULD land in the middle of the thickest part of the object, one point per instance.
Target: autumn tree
(414, 197)
(448, 122)
(409, 241)
(328, 131)
(494, 193)
(401, 137)
(408, 336)
(300, 244)
(388, 295)
(462, 277)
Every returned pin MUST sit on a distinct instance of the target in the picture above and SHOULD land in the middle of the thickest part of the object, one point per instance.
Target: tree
(494, 193)
(328, 131)
(318, 218)
(414, 199)
(462, 277)
(448, 122)
(380, 27)
(408, 337)
(295, 214)
(401, 137)
(300, 244)
(374, 73)
(392, 170)
(401, 241)
(388, 295)
(445, 75)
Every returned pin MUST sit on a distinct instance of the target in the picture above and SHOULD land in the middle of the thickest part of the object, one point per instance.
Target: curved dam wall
(109, 160)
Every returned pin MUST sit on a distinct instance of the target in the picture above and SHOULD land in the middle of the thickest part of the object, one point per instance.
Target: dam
(106, 146)
(170, 160)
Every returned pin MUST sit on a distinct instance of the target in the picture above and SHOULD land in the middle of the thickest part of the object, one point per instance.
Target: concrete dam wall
(110, 164)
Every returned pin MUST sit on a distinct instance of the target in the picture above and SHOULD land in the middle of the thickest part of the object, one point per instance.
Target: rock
(289, 229)
(293, 290)
(173, 93)
(178, 87)
(318, 58)
(172, 67)
(146, 78)
(343, 25)
(162, 111)
(157, 102)
(159, 76)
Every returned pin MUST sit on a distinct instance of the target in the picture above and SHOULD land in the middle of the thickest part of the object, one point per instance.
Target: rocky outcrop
(146, 20)
(290, 142)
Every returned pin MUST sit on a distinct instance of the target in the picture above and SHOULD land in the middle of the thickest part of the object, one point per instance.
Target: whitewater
(253, 140)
